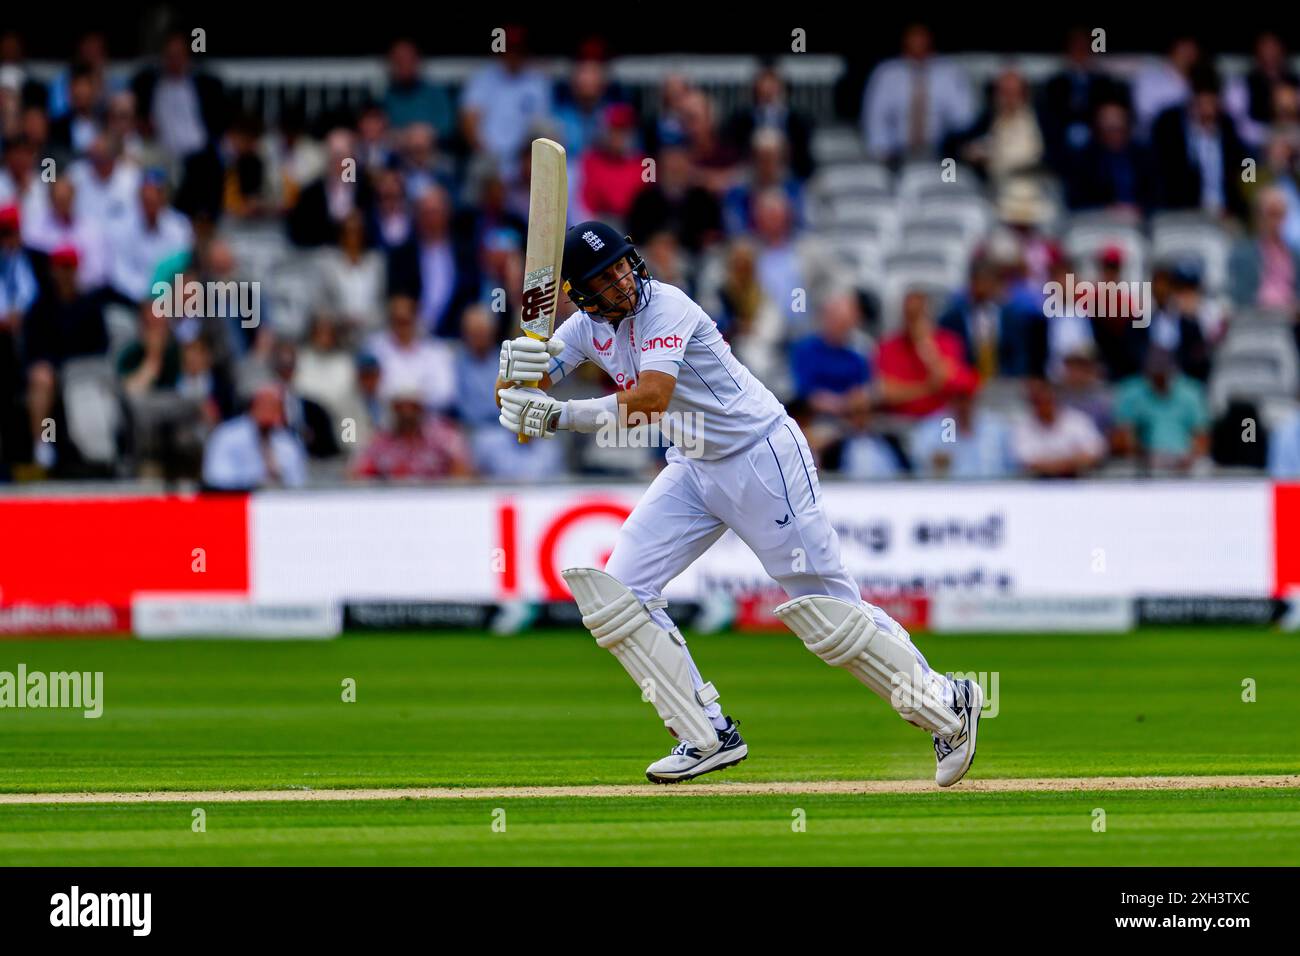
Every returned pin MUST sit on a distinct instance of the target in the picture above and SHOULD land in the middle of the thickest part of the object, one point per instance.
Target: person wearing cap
(611, 170)
(1161, 416)
(64, 323)
(255, 450)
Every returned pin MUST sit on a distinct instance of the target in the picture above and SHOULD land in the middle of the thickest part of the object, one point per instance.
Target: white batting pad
(621, 625)
(844, 635)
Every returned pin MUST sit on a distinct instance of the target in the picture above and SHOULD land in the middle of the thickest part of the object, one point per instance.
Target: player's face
(615, 294)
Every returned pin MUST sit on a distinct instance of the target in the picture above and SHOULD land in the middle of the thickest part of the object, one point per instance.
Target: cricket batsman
(753, 473)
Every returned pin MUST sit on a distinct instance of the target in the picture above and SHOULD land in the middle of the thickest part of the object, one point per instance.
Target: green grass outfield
(551, 709)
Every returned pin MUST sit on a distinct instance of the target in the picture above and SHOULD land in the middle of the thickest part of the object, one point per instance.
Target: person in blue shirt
(830, 371)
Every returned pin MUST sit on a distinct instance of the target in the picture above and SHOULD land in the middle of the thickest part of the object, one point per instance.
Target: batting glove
(525, 360)
(530, 412)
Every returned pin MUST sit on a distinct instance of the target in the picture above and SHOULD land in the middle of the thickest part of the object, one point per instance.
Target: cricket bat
(548, 211)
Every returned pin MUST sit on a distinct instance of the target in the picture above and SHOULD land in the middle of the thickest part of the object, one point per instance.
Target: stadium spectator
(1199, 152)
(405, 356)
(714, 158)
(1284, 448)
(1281, 161)
(422, 164)
(612, 170)
(504, 102)
(21, 272)
(64, 323)
(830, 372)
(186, 110)
(1025, 214)
(61, 227)
(1251, 97)
(316, 428)
(962, 440)
(1073, 97)
(20, 179)
(249, 191)
(1264, 272)
(1006, 140)
(1166, 83)
(998, 337)
(496, 452)
(166, 427)
(582, 103)
(502, 273)
(412, 99)
(913, 102)
(435, 267)
(375, 139)
(1176, 324)
(73, 131)
(1052, 441)
(150, 231)
(230, 333)
(1111, 170)
(389, 221)
(864, 455)
(326, 202)
(106, 183)
(351, 279)
(666, 262)
(747, 317)
(419, 446)
(1161, 417)
(1083, 386)
(770, 109)
(674, 202)
(920, 366)
(793, 270)
(90, 61)
(255, 450)
(326, 374)
(767, 170)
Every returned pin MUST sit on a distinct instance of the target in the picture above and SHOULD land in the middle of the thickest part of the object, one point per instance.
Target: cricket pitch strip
(865, 787)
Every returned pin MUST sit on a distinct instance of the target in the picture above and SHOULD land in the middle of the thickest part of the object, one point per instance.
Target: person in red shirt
(612, 173)
(418, 446)
(922, 366)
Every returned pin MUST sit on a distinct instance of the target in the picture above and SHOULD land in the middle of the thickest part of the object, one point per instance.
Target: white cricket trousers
(769, 496)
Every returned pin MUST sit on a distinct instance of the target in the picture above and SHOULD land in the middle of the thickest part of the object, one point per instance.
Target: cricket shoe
(954, 754)
(687, 761)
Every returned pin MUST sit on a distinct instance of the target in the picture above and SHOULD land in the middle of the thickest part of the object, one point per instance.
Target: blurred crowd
(889, 279)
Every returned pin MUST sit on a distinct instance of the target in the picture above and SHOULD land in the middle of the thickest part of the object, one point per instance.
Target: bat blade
(548, 211)
(548, 207)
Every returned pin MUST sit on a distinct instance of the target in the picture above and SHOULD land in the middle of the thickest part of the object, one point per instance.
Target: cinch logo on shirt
(661, 342)
(602, 347)
(593, 240)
